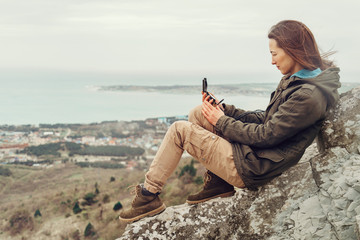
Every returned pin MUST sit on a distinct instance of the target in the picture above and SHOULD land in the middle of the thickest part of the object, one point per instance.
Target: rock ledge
(319, 198)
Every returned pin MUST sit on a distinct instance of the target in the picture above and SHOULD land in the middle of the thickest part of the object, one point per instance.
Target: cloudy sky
(167, 36)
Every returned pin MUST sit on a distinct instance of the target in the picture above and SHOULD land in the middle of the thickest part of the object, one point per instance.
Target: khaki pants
(196, 136)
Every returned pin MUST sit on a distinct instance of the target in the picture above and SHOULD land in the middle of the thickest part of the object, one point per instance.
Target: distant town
(17, 142)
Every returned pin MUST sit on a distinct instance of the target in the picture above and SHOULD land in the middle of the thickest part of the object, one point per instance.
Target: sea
(36, 98)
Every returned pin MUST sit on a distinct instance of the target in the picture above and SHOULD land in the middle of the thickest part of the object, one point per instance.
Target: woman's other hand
(210, 112)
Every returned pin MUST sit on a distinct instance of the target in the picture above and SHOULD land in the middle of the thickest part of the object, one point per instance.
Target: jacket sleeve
(242, 115)
(299, 111)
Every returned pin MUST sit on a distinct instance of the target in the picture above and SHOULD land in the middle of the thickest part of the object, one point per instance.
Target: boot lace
(132, 189)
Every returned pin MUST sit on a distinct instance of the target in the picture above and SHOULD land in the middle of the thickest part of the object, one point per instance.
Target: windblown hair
(299, 43)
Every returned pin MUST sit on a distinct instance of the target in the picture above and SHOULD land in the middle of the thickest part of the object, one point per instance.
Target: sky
(176, 37)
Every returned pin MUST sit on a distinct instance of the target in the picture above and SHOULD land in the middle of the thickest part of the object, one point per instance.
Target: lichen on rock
(319, 198)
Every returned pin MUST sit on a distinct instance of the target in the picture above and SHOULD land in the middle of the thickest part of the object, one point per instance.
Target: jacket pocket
(270, 154)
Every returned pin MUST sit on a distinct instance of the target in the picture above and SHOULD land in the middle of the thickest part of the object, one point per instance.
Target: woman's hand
(210, 112)
(204, 95)
(216, 100)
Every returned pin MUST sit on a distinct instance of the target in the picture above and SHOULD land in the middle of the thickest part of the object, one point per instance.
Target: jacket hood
(328, 82)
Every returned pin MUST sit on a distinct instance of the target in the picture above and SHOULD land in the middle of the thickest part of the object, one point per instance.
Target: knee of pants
(194, 114)
(178, 127)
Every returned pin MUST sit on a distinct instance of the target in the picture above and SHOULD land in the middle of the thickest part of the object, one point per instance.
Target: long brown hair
(299, 43)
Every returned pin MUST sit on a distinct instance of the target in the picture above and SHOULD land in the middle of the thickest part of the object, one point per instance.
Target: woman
(248, 149)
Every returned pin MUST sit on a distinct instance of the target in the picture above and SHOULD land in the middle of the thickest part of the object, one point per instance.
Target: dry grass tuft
(19, 222)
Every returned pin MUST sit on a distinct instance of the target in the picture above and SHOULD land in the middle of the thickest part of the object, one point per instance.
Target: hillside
(56, 189)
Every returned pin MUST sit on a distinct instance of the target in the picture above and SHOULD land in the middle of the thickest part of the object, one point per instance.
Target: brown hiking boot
(213, 187)
(142, 206)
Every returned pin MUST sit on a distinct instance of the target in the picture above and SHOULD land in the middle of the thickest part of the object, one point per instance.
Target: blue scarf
(304, 73)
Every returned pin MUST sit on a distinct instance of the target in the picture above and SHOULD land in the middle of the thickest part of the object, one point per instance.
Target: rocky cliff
(319, 198)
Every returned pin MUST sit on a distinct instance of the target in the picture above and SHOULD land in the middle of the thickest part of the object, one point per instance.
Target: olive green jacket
(265, 144)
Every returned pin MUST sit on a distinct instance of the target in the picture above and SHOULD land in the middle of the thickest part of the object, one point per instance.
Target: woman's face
(282, 60)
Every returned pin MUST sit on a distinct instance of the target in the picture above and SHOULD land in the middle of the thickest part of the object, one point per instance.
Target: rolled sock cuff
(146, 192)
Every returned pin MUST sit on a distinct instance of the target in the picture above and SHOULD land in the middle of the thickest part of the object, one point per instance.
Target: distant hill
(258, 89)
(248, 89)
